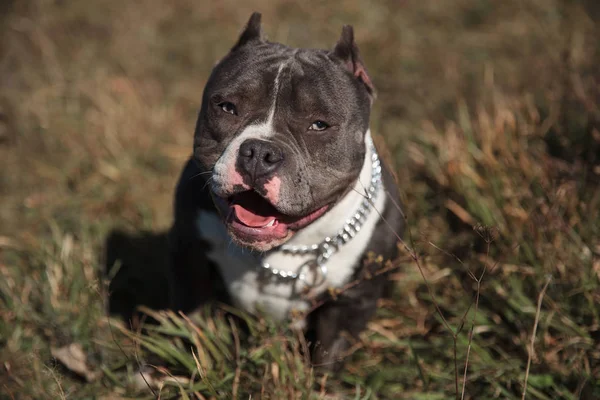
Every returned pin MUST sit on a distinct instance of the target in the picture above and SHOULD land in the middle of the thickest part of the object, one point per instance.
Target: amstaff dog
(285, 194)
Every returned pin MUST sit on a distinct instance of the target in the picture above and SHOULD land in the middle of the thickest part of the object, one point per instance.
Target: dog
(285, 196)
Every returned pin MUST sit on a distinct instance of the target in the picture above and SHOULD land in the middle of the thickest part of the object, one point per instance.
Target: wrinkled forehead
(308, 75)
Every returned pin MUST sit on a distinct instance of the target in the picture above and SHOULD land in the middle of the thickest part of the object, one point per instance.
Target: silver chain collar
(331, 244)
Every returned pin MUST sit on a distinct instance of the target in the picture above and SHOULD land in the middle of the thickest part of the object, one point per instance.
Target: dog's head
(282, 131)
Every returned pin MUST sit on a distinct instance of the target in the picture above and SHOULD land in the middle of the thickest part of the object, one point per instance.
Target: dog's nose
(258, 158)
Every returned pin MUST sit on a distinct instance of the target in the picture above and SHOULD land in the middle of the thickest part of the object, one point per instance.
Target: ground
(488, 111)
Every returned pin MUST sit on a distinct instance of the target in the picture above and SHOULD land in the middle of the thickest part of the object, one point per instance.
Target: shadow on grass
(137, 267)
(142, 272)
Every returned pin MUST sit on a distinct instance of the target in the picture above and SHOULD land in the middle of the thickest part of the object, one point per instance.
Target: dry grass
(490, 111)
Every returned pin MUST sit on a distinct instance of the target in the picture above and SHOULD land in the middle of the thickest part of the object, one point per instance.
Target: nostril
(258, 158)
(272, 158)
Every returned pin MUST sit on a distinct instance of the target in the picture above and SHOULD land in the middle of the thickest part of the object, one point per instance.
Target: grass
(489, 111)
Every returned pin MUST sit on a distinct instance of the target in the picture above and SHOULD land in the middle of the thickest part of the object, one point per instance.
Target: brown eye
(228, 107)
(318, 126)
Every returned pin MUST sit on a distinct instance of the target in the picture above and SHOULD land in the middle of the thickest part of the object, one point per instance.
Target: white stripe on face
(224, 174)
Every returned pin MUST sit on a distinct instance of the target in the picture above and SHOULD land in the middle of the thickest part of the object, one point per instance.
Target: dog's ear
(252, 32)
(346, 50)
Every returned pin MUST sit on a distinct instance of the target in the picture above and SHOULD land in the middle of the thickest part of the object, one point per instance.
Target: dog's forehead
(260, 64)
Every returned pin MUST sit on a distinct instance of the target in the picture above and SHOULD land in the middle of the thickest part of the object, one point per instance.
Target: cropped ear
(252, 32)
(347, 51)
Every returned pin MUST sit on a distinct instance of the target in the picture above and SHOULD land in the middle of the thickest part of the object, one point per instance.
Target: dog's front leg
(338, 322)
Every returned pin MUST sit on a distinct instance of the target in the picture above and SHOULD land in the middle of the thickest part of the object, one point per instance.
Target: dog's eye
(228, 107)
(318, 126)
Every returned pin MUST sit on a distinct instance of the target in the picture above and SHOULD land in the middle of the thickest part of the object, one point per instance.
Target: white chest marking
(253, 291)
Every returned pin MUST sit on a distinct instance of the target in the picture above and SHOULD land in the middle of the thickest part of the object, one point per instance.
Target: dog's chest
(254, 289)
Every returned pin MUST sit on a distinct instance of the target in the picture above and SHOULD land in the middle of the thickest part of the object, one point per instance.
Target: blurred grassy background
(490, 112)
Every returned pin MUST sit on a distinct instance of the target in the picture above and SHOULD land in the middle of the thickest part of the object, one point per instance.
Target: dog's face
(282, 132)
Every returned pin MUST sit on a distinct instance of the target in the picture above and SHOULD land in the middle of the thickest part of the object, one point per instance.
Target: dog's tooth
(271, 223)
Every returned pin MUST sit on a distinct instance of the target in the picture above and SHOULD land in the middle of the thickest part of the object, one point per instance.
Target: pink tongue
(250, 219)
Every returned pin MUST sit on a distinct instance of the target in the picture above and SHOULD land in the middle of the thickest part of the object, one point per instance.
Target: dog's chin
(253, 222)
(258, 241)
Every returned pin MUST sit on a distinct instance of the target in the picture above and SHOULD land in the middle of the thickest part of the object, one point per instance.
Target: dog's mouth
(254, 219)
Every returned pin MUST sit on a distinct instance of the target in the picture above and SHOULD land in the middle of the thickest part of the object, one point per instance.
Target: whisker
(199, 174)
(207, 182)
